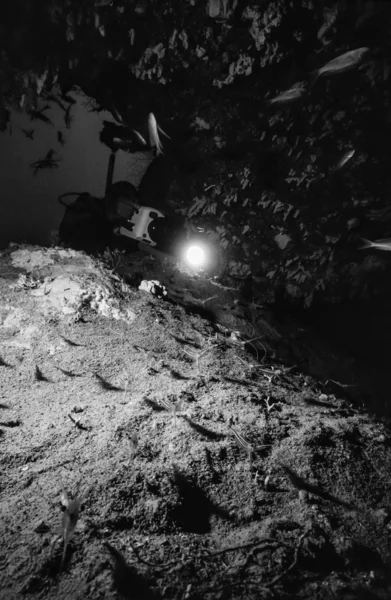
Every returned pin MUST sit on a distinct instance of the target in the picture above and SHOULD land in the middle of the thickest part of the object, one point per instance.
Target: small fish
(301, 484)
(122, 141)
(139, 138)
(116, 115)
(154, 140)
(380, 214)
(384, 244)
(160, 130)
(60, 138)
(243, 443)
(342, 63)
(53, 98)
(122, 144)
(69, 519)
(331, 17)
(67, 117)
(288, 96)
(133, 444)
(37, 115)
(345, 158)
(173, 407)
(68, 98)
(134, 143)
(29, 133)
(46, 163)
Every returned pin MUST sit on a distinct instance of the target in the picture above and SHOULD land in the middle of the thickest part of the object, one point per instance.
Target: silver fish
(345, 158)
(124, 144)
(154, 140)
(116, 115)
(380, 214)
(384, 244)
(342, 63)
(139, 137)
(331, 17)
(46, 163)
(69, 519)
(288, 96)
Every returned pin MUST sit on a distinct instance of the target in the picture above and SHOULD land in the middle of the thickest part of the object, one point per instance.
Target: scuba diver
(119, 219)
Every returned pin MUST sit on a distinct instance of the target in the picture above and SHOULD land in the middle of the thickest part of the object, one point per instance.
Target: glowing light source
(196, 256)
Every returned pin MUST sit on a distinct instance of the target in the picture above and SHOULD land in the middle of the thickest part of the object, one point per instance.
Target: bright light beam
(195, 256)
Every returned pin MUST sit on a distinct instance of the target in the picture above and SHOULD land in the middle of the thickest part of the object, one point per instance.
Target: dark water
(29, 209)
(350, 344)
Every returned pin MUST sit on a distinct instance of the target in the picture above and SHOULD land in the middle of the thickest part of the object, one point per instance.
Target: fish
(301, 484)
(154, 140)
(69, 519)
(380, 214)
(345, 62)
(122, 144)
(127, 144)
(46, 163)
(67, 117)
(68, 98)
(331, 17)
(384, 244)
(345, 158)
(53, 98)
(154, 130)
(135, 142)
(37, 115)
(60, 138)
(29, 133)
(160, 130)
(140, 138)
(288, 96)
(116, 115)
